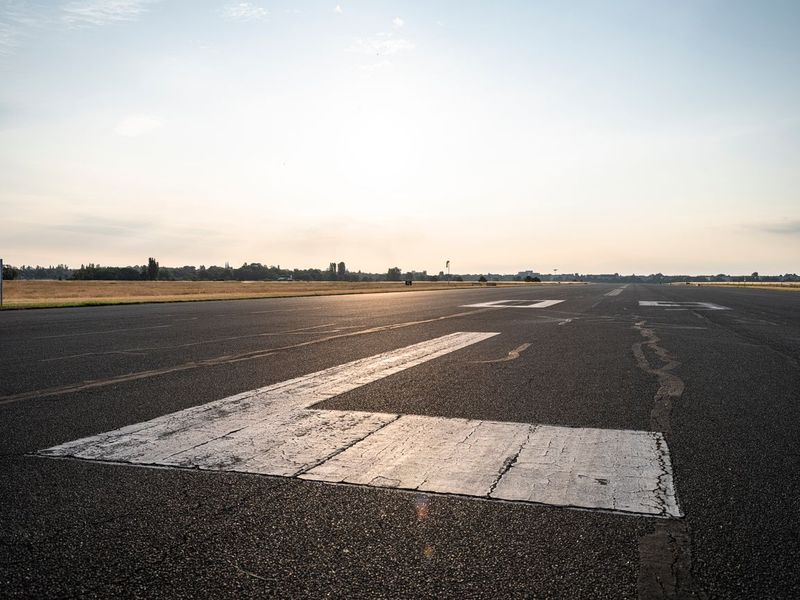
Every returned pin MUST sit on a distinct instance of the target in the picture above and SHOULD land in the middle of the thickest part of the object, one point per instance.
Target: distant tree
(38, 272)
(10, 272)
(482, 279)
(332, 272)
(754, 275)
(214, 273)
(152, 269)
(393, 274)
(341, 271)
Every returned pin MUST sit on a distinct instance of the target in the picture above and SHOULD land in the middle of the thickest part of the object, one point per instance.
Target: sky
(590, 137)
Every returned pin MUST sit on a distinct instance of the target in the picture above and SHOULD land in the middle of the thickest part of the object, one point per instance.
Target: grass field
(49, 294)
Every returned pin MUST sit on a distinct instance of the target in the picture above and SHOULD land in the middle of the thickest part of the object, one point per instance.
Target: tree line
(153, 271)
(338, 271)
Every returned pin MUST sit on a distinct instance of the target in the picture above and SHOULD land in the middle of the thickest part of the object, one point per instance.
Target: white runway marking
(181, 438)
(605, 468)
(274, 431)
(626, 471)
(615, 292)
(682, 305)
(514, 304)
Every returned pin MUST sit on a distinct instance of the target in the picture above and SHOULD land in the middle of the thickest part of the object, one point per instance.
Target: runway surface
(551, 441)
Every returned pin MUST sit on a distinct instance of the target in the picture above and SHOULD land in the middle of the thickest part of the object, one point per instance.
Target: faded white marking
(545, 304)
(628, 471)
(615, 292)
(682, 305)
(102, 332)
(139, 351)
(253, 415)
(274, 431)
(433, 454)
(224, 359)
(517, 304)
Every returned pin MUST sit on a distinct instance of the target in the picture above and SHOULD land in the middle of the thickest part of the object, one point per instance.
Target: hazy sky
(584, 136)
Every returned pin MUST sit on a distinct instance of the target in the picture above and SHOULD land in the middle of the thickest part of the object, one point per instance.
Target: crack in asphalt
(664, 554)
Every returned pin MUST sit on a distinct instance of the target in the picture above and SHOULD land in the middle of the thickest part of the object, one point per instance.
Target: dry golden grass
(43, 294)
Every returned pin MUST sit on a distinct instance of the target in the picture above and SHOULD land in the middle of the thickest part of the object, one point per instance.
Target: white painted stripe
(544, 304)
(615, 292)
(171, 439)
(617, 470)
(505, 304)
(684, 305)
(620, 470)
(273, 431)
(433, 454)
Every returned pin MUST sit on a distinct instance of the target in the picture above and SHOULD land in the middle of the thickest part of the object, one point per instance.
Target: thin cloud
(102, 12)
(382, 44)
(9, 39)
(16, 20)
(137, 125)
(94, 225)
(338, 9)
(245, 11)
(782, 227)
(398, 22)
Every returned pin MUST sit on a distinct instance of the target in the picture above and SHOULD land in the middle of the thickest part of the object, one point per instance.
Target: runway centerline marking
(682, 305)
(101, 332)
(275, 430)
(514, 304)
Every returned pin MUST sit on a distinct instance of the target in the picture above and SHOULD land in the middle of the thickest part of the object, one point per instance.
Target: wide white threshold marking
(615, 292)
(685, 305)
(515, 304)
(273, 431)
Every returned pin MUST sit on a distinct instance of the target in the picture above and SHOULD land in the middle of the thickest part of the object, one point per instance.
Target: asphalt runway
(712, 373)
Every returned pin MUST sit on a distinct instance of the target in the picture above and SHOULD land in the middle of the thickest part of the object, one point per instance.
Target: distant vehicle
(289, 278)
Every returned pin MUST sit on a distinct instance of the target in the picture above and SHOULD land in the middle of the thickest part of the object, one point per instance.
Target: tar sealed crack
(665, 554)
